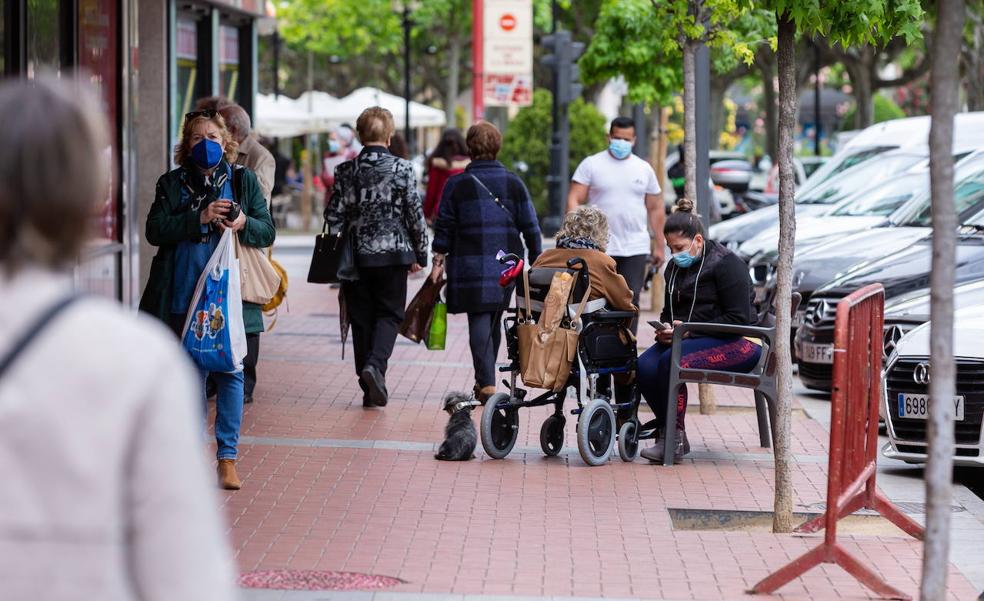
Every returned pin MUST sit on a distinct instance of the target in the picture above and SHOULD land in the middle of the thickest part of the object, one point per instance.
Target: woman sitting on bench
(584, 234)
(705, 282)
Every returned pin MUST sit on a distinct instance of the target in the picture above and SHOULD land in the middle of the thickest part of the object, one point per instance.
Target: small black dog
(460, 437)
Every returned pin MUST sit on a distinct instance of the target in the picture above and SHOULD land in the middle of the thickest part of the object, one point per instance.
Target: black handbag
(333, 259)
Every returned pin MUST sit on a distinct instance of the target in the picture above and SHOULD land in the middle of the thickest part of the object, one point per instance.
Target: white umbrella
(284, 117)
(421, 115)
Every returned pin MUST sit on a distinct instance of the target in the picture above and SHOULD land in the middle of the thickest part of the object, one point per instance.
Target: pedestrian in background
(483, 210)
(625, 188)
(191, 208)
(253, 156)
(450, 157)
(398, 147)
(106, 496)
(376, 194)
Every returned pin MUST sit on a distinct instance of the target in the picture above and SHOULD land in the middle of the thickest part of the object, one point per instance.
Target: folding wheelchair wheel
(628, 441)
(596, 432)
(500, 426)
(552, 435)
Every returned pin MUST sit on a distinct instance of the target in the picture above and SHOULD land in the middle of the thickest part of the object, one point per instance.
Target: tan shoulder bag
(260, 281)
(547, 349)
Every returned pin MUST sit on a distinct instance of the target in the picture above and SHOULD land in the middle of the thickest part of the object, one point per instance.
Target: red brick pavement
(526, 525)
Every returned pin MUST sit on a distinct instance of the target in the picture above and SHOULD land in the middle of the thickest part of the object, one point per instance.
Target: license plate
(916, 406)
(817, 353)
(798, 319)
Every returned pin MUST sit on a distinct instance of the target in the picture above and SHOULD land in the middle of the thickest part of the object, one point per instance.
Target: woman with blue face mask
(194, 204)
(705, 282)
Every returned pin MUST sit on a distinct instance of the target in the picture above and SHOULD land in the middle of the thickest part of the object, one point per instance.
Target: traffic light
(562, 60)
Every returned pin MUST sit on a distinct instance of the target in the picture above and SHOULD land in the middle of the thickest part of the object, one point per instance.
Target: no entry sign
(508, 33)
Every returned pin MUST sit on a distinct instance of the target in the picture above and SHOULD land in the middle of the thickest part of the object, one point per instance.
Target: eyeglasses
(207, 113)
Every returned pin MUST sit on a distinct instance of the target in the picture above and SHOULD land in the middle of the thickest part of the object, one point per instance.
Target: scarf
(204, 189)
(577, 242)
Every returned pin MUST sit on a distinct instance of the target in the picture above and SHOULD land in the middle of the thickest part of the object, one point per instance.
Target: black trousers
(375, 305)
(633, 269)
(249, 363)
(484, 336)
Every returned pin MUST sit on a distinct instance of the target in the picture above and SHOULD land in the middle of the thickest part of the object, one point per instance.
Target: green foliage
(853, 22)
(527, 140)
(340, 27)
(885, 110)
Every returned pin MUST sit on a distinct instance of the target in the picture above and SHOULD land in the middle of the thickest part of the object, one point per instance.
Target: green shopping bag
(437, 333)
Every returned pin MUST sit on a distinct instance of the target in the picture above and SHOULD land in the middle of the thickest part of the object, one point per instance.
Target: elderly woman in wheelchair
(599, 307)
(707, 283)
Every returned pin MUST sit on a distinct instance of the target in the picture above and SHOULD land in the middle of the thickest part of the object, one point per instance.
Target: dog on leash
(460, 438)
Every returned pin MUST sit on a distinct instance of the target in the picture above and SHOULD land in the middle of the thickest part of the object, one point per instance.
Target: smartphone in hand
(660, 326)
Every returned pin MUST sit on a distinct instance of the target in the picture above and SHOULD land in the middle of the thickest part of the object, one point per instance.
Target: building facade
(149, 60)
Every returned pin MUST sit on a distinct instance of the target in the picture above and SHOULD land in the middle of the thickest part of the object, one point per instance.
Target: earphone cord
(693, 303)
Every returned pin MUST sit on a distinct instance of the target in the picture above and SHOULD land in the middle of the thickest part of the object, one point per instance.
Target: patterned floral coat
(377, 193)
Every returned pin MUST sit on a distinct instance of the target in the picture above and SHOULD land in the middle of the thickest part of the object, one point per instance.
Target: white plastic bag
(214, 333)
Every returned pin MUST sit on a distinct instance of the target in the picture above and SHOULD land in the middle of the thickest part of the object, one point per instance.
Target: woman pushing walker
(705, 282)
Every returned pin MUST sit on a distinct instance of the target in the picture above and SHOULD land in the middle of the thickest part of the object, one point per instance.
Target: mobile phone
(234, 211)
(658, 325)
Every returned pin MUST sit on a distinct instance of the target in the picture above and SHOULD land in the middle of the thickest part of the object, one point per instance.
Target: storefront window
(186, 55)
(98, 56)
(229, 62)
(3, 39)
(43, 47)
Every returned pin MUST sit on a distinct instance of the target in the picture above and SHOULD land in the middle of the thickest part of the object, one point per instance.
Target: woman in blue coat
(482, 211)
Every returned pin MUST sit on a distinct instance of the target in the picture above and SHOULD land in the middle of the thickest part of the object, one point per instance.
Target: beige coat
(258, 159)
(605, 280)
(104, 489)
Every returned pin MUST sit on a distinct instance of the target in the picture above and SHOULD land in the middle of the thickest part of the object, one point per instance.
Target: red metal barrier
(853, 444)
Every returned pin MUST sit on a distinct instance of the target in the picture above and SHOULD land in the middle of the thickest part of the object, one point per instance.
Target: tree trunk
(862, 81)
(771, 111)
(719, 86)
(454, 78)
(782, 519)
(944, 94)
(659, 148)
(973, 64)
(690, 120)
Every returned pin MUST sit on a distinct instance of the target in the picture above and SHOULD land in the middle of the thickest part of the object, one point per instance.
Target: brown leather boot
(484, 393)
(228, 479)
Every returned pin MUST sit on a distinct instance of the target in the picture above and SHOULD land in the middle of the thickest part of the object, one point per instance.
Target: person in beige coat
(104, 489)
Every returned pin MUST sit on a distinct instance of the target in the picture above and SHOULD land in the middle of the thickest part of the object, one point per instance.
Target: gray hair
(586, 222)
(237, 120)
(54, 170)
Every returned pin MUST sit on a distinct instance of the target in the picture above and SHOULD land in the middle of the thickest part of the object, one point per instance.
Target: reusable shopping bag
(214, 334)
(260, 280)
(416, 324)
(547, 349)
(438, 331)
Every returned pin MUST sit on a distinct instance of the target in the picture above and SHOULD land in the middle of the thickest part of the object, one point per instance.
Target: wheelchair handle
(508, 257)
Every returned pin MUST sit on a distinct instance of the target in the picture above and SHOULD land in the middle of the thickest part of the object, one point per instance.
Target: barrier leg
(865, 576)
(817, 523)
(794, 569)
(893, 514)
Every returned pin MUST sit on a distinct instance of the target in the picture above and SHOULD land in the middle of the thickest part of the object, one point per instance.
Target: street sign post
(507, 53)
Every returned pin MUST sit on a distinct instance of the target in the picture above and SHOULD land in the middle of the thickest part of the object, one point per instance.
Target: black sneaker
(248, 399)
(375, 385)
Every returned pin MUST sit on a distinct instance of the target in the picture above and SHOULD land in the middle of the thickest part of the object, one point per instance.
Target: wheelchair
(606, 348)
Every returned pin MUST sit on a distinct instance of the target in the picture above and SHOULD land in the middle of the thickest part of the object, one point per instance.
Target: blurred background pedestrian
(105, 496)
(450, 157)
(193, 205)
(483, 210)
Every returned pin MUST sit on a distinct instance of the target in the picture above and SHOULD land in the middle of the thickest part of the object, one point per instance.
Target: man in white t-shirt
(625, 188)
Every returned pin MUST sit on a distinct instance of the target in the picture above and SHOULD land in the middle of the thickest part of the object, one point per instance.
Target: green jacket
(168, 224)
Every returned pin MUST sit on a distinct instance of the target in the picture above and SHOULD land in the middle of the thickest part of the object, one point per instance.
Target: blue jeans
(726, 354)
(228, 410)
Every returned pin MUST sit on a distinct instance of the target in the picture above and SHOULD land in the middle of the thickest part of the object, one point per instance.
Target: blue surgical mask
(620, 149)
(332, 145)
(207, 153)
(684, 259)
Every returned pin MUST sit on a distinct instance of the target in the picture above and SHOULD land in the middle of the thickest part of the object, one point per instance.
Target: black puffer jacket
(723, 288)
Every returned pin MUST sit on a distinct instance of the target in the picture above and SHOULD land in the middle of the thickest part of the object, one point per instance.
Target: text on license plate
(916, 406)
(817, 353)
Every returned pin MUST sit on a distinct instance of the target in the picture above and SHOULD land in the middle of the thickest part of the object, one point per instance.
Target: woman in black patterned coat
(376, 193)
(482, 211)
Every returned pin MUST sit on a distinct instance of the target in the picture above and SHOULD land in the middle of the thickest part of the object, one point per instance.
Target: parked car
(838, 254)
(906, 392)
(909, 311)
(820, 199)
(900, 273)
(721, 195)
(910, 133)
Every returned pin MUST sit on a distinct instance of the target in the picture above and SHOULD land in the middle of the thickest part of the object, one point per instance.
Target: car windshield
(881, 200)
(968, 194)
(861, 176)
(834, 165)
